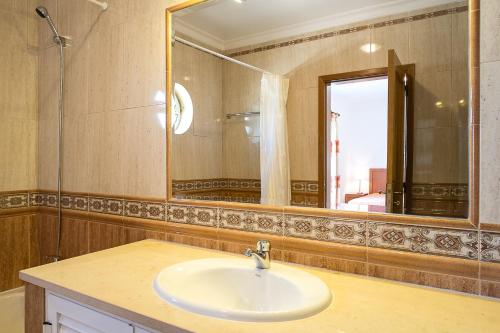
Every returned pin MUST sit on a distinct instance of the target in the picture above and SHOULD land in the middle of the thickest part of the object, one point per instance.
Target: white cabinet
(66, 316)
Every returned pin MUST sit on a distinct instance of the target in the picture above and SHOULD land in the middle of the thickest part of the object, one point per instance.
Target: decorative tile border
(304, 192)
(458, 192)
(411, 238)
(179, 186)
(14, 200)
(205, 216)
(490, 247)
(145, 210)
(255, 221)
(338, 230)
(428, 240)
(345, 31)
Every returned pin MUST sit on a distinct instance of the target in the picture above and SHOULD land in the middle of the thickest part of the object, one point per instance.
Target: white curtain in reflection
(274, 159)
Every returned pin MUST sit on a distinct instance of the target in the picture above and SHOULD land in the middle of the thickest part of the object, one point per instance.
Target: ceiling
(227, 24)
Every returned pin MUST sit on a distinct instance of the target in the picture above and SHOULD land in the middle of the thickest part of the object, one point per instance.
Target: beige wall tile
(76, 154)
(105, 152)
(76, 78)
(18, 154)
(490, 30)
(47, 153)
(144, 155)
(490, 142)
(394, 37)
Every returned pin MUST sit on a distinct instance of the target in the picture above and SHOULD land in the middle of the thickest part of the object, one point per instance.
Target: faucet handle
(263, 246)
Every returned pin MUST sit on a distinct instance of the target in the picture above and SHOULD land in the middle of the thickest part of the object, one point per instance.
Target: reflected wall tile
(460, 41)
(489, 185)
(433, 99)
(460, 98)
(349, 56)
(105, 153)
(76, 154)
(432, 155)
(390, 37)
(430, 44)
(490, 30)
(144, 150)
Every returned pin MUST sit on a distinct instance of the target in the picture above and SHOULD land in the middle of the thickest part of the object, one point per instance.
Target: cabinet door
(68, 317)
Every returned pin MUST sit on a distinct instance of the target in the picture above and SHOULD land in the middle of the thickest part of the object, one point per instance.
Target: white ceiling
(226, 24)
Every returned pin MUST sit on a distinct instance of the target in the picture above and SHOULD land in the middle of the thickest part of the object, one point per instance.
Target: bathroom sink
(234, 289)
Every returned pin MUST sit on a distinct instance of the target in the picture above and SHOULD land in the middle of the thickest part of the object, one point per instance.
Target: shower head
(42, 12)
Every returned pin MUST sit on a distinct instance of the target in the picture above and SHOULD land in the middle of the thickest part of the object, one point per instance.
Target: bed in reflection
(374, 201)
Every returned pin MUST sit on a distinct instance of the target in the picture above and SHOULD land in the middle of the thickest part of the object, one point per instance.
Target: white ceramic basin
(235, 289)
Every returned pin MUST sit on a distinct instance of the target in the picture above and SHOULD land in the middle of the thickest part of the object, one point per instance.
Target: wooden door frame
(323, 81)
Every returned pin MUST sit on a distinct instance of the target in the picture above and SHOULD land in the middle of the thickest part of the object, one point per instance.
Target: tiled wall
(436, 42)
(490, 111)
(18, 138)
(114, 137)
(18, 97)
(114, 144)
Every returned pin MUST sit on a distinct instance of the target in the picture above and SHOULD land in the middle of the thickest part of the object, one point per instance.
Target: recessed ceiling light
(239, 1)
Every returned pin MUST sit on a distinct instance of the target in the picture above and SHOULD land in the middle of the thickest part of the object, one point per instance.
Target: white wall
(362, 130)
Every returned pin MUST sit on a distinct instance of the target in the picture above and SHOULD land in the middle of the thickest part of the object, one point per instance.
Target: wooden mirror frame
(471, 222)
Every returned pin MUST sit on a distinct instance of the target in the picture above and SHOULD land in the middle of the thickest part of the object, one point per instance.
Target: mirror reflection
(358, 106)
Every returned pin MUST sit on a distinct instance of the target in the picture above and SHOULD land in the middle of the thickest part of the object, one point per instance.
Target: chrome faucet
(262, 255)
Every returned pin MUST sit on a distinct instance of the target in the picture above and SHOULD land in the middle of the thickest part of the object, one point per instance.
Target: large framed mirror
(364, 106)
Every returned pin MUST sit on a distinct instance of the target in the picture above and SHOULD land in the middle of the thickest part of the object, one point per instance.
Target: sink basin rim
(316, 296)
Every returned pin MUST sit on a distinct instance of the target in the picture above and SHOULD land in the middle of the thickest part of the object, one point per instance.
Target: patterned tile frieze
(338, 230)
(106, 205)
(255, 221)
(76, 202)
(348, 31)
(205, 216)
(14, 200)
(440, 191)
(412, 238)
(146, 210)
(490, 246)
(447, 242)
(306, 186)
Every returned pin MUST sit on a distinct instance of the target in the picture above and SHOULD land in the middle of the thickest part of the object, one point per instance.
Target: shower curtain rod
(218, 55)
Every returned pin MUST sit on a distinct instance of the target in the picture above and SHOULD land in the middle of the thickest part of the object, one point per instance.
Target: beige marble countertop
(119, 281)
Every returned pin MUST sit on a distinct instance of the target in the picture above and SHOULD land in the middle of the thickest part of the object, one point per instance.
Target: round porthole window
(182, 109)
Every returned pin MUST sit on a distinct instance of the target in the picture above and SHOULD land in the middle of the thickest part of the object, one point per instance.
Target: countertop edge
(109, 308)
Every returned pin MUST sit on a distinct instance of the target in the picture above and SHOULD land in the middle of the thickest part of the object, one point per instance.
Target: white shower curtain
(274, 160)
